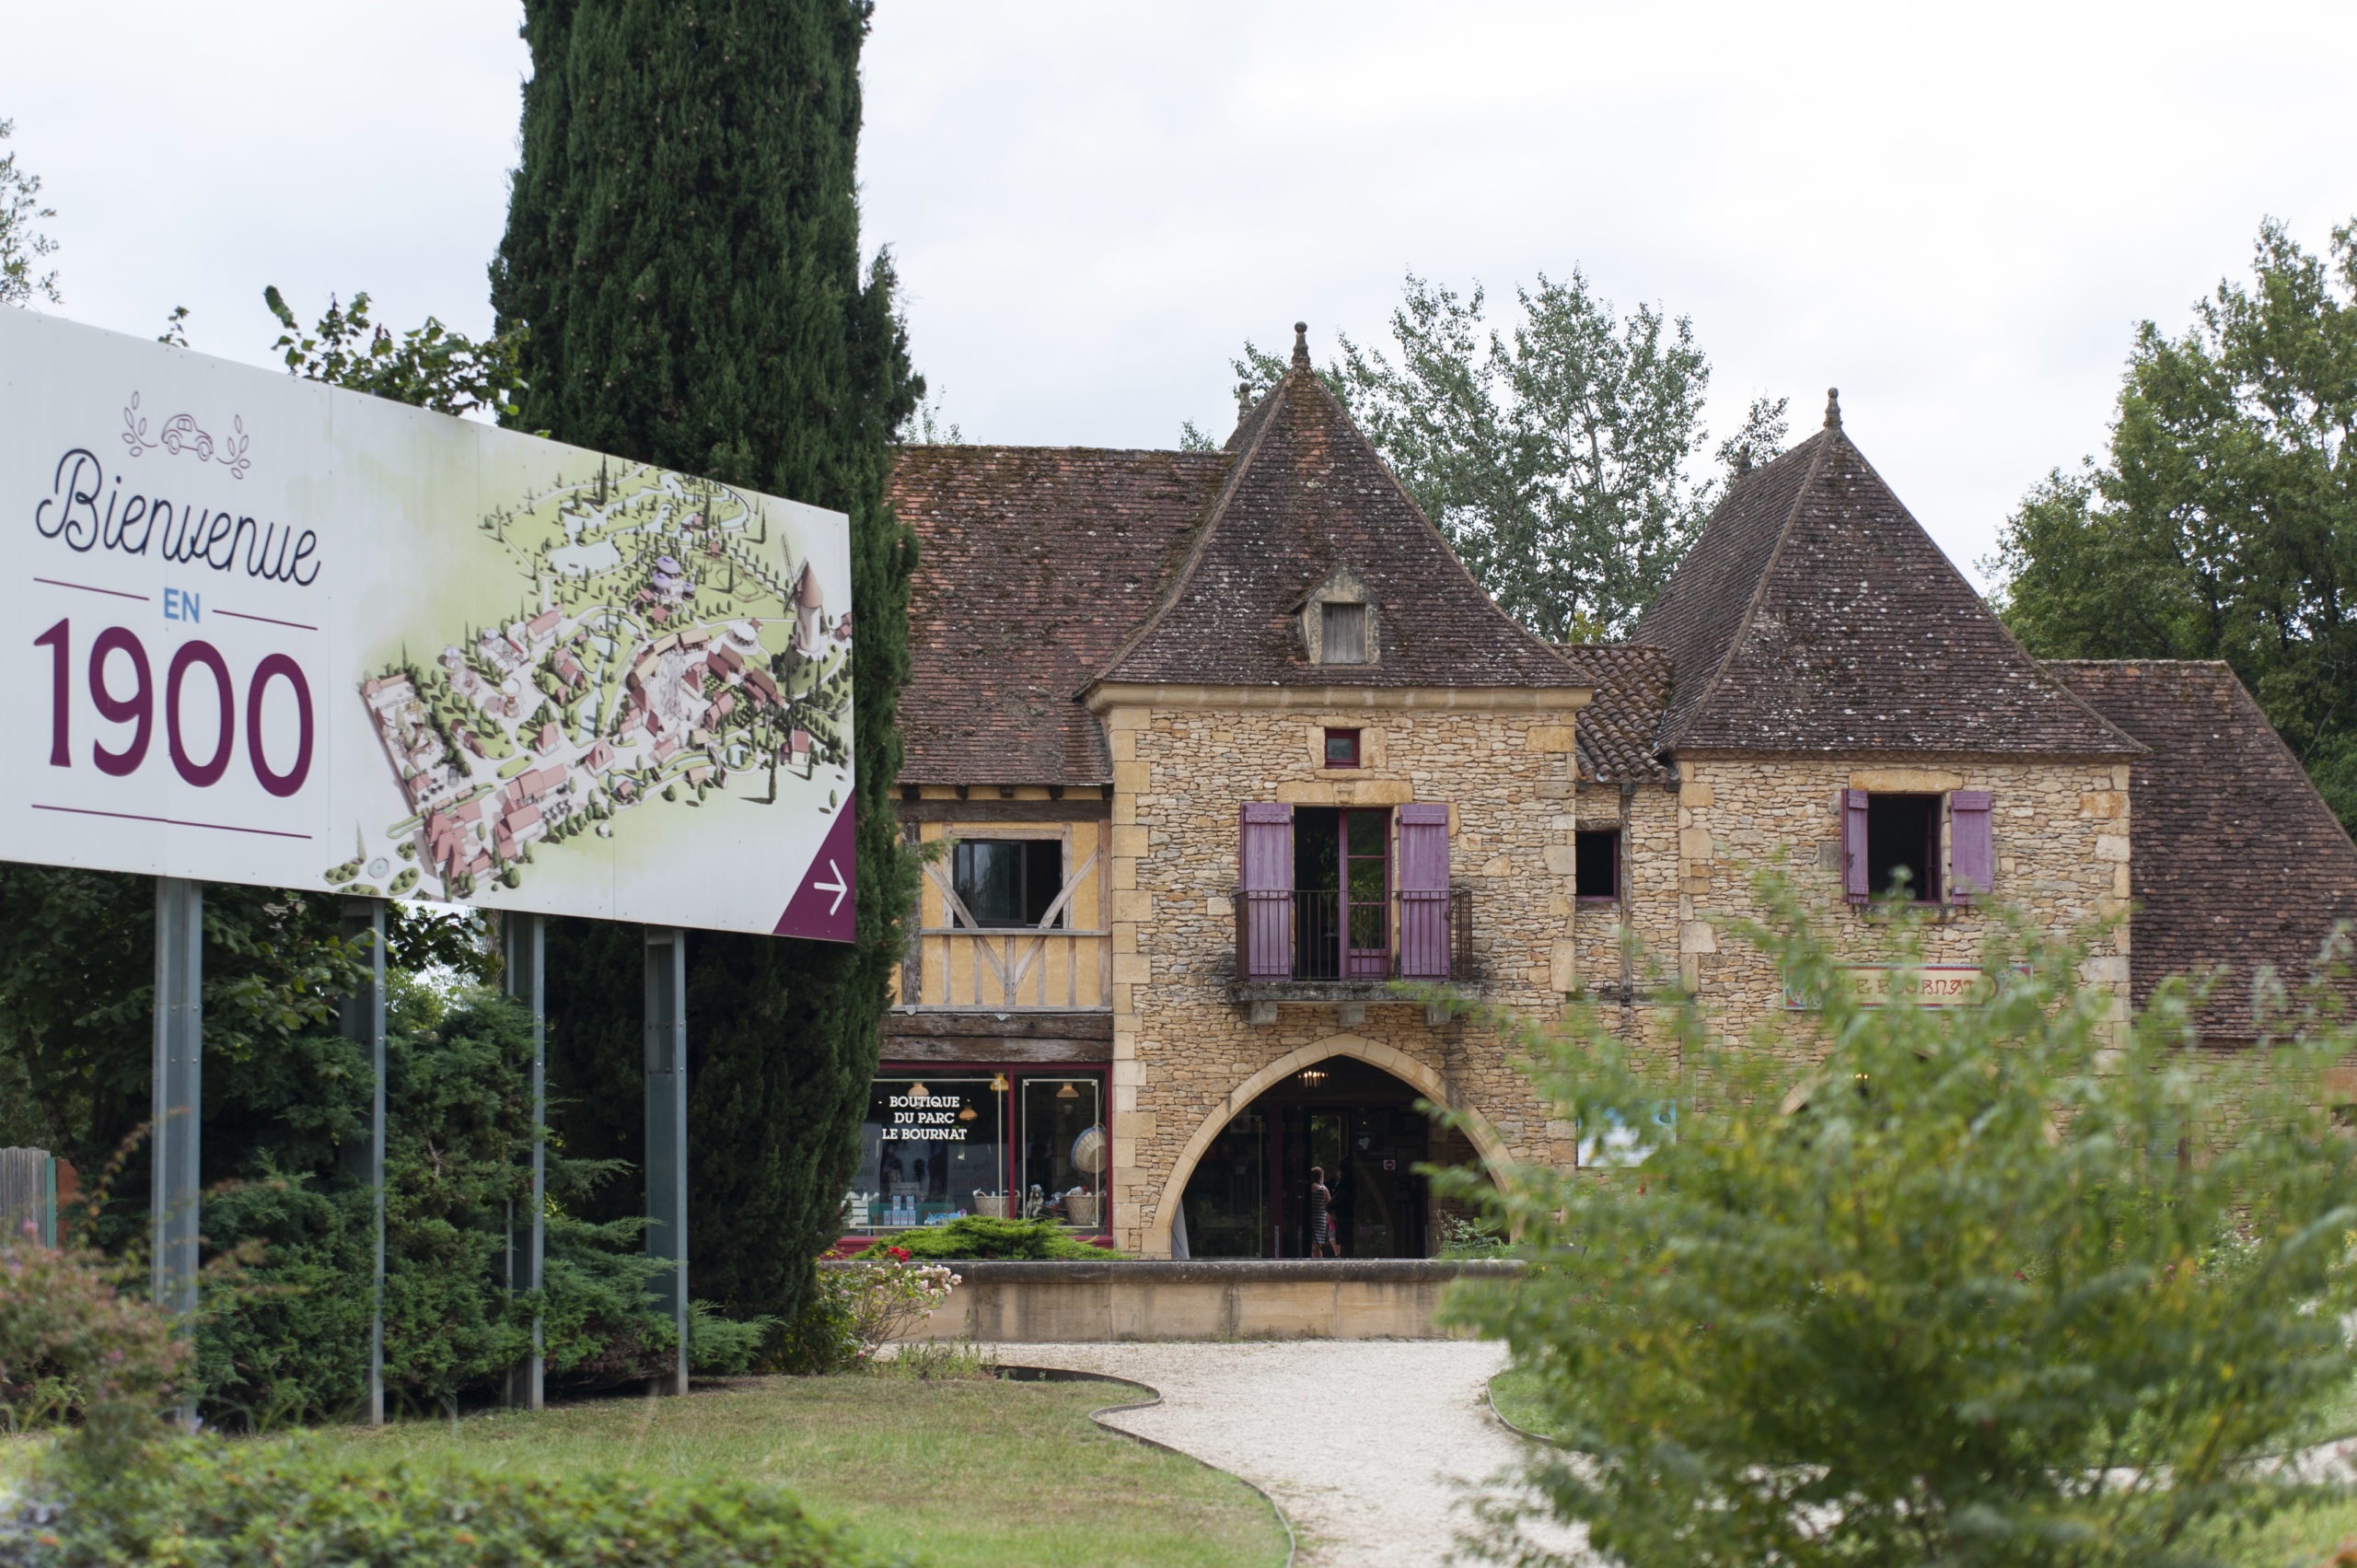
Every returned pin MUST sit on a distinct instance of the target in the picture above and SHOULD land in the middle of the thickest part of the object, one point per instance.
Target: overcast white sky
(1956, 215)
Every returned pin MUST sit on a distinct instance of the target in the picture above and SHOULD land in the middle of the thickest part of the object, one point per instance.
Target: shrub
(1461, 1238)
(723, 1347)
(74, 1347)
(824, 1338)
(859, 1308)
(980, 1236)
(285, 1340)
(1999, 1284)
(259, 1505)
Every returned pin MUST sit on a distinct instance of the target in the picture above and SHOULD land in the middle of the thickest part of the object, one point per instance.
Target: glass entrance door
(1366, 892)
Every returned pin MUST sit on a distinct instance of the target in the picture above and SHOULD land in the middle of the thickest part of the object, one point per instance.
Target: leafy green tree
(682, 249)
(428, 367)
(22, 246)
(1557, 454)
(2224, 522)
(1978, 1286)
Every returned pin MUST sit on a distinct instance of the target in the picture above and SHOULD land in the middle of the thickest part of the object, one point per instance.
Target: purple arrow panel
(823, 908)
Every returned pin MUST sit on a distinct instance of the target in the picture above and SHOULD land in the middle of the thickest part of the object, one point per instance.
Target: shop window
(1065, 1150)
(1342, 634)
(1009, 882)
(994, 1142)
(1341, 748)
(1597, 864)
(932, 1147)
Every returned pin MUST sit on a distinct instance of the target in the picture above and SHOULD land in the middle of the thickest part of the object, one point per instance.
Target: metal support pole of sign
(522, 968)
(666, 1129)
(363, 1017)
(180, 1099)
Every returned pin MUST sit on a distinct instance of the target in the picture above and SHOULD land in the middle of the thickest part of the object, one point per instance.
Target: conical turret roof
(1816, 615)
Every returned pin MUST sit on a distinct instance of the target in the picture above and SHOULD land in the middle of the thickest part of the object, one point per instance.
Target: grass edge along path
(957, 1473)
(2298, 1538)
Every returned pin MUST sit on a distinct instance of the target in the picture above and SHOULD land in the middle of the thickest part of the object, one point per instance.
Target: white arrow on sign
(836, 886)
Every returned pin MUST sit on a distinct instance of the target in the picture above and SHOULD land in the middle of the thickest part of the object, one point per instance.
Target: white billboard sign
(272, 631)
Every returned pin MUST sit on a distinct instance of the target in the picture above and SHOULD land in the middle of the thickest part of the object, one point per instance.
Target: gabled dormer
(1341, 622)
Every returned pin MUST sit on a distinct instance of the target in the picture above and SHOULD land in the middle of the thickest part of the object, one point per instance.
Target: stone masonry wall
(1186, 1058)
(1182, 1052)
(2060, 833)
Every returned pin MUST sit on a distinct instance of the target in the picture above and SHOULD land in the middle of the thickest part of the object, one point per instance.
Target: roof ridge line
(1758, 589)
(1210, 526)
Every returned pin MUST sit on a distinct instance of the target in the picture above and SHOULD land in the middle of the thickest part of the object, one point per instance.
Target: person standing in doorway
(1321, 1217)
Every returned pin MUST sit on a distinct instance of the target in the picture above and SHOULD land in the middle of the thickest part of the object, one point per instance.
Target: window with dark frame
(1009, 882)
(1341, 748)
(1597, 864)
(1342, 636)
(1904, 835)
(1005, 1140)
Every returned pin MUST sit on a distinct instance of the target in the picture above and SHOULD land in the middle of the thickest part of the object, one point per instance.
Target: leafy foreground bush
(978, 1236)
(74, 1347)
(858, 1308)
(1984, 1285)
(222, 1505)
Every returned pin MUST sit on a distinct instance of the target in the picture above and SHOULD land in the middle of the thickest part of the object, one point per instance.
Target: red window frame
(1349, 740)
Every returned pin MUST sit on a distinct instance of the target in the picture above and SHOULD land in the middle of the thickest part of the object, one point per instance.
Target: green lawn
(955, 1472)
(2305, 1538)
(1514, 1393)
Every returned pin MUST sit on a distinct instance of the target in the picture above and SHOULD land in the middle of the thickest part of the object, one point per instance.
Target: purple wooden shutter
(1855, 872)
(1972, 855)
(1424, 892)
(1264, 912)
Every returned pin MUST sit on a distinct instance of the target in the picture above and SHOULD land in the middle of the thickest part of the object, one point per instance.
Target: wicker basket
(1080, 1208)
(990, 1205)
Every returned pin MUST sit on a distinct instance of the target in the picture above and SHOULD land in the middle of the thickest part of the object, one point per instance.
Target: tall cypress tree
(682, 248)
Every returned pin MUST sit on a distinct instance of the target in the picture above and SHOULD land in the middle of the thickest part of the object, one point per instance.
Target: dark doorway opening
(1904, 835)
(1341, 879)
(1248, 1196)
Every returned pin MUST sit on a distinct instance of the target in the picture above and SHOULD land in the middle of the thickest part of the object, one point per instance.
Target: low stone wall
(1347, 1298)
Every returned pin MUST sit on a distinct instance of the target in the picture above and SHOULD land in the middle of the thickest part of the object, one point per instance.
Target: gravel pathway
(1367, 1444)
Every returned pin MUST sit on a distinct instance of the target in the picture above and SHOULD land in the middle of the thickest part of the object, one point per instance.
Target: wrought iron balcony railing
(1294, 935)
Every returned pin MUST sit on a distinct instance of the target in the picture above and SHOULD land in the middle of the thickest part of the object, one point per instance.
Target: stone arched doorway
(1345, 1102)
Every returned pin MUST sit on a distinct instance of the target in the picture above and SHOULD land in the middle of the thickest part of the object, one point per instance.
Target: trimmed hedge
(268, 1505)
(978, 1236)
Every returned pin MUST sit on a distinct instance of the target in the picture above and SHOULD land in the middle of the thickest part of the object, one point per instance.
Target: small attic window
(1344, 633)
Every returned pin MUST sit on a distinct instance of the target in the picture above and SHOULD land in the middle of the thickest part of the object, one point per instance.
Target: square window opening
(1903, 837)
(1341, 748)
(1344, 633)
(1009, 882)
(1597, 864)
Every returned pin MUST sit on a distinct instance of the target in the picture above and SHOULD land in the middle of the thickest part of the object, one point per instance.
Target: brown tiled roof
(2234, 858)
(1309, 494)
(1035, 562)
(1816, 615)
(1618, 726)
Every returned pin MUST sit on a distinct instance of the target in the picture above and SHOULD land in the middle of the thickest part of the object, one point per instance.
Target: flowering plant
(888, 1299)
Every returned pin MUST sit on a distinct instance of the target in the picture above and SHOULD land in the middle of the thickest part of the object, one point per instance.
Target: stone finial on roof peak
(1243, 399)
(1832, 408)
(1301, 343)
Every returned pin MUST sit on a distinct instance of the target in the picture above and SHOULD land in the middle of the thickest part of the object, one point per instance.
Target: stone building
(1217, 751)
